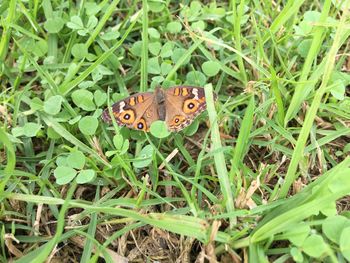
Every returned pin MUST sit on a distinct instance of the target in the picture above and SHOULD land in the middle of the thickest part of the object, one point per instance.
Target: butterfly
(178, 106)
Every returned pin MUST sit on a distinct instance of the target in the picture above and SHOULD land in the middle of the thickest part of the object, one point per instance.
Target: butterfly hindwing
(131, 110)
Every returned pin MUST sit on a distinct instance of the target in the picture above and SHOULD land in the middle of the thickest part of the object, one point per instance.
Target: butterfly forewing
(129, 112)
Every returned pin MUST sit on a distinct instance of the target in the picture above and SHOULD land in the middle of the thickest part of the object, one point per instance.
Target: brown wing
(183, 105)
(136, 112)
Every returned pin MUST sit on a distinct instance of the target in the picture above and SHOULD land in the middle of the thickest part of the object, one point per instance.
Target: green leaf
(345, 243)
(36, 104)
(53, 105)
(155, 6)
(54, 25)
(174, 27)
(144, 158)
(83, 99)
(192, 129)
(17, 131)
(156, 80)
(79, 51)
(136, 49)
(305, 27)
(110, 35)
(49, 60)
(30, 129)
(167, 50)
(99, 72)
(214, 43)
(153, 66)
(92, 22)
(333, 227)
(125, 147)
(199, 25)
(329, 210)
(118, 141)
(196, 78)
(75, 23)
(168, 83)
(338, 89)
(193, 11)
(212, 12)
(159, 129)
(298, 233)
(195, 7)
(154, 48)
(76, 160)
(61, 161)
(210, 68)
(64, 174)
(100, 98)
(296, 254)
(314, 246)
(92, 8)
(86, 84)
(304, 47)
(177, 55)
(88, 125)
(103, 70)
(153, 33)
(74, 120)
(165, 67)
(39, 48)
(86, 176)
(97, 113)
(346, 148)
(52, 134)
(83, 32)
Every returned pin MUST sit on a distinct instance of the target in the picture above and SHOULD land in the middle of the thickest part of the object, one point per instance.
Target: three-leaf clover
(76, 24)
(70, 167)
(121, 145)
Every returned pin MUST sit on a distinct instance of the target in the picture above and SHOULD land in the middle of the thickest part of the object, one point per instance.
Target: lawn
(261, 175)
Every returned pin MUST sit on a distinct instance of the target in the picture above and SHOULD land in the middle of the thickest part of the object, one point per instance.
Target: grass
(261, 176)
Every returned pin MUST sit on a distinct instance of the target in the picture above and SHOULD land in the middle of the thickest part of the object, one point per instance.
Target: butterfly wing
(183, 105)
(136, 112)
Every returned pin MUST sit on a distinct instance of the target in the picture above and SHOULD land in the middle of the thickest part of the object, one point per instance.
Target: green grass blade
(237, 18)
(25, 32)
(290, 9)
(277, 93)
(88, 246)
(328, 138)
(219, 158)
(311, 114)
(6, 33)
(144, 54)
(293, 215)
(109, 11)
(45, 252)
(300, 91)
(11, 160)
(243, 136)
(180, 224)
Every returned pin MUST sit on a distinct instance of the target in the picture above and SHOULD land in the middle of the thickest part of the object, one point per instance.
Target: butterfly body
(177, 106)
